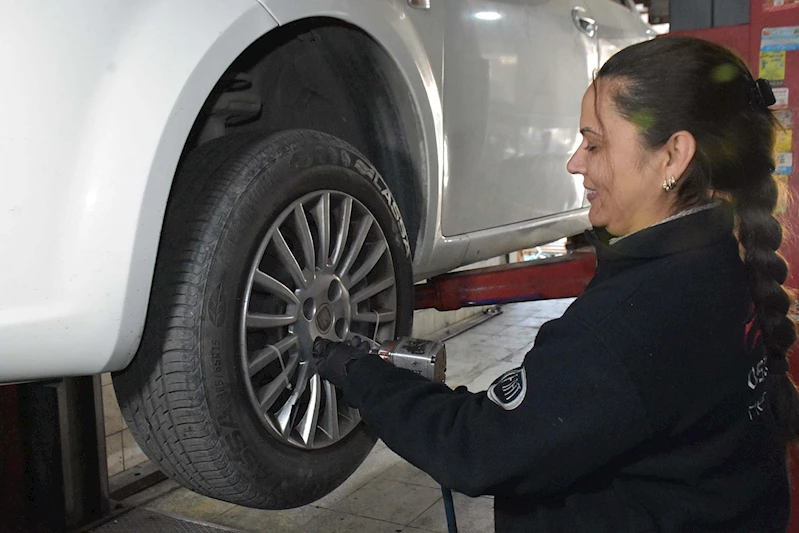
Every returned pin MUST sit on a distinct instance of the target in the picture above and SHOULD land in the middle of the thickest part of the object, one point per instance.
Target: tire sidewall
(277, 172)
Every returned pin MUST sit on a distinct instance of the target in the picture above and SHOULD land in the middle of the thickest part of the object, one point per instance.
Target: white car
(193, 190)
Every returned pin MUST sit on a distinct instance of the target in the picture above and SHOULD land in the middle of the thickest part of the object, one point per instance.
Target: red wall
(762, 18)
(746, 41)
(735, 37)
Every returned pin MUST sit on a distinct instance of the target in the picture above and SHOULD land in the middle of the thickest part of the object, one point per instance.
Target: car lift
(53, 471)
(564, 276)
(53, 474)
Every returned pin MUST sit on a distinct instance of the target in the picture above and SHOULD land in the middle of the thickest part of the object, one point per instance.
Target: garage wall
(121, 449)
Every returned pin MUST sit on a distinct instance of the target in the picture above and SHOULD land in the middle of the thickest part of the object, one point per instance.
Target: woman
(660, 400)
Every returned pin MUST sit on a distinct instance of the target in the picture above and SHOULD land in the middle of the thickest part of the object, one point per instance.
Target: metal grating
(143, 521)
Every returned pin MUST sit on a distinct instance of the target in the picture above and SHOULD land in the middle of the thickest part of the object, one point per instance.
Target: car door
(618, 25)
(514, 75)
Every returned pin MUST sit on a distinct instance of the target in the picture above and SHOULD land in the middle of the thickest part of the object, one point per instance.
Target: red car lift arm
(559, 277)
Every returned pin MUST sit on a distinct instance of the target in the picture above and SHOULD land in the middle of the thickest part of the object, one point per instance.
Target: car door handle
(584, 23)
(419, 4)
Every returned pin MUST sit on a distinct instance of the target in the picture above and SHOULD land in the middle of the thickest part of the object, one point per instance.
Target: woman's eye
(590, 148)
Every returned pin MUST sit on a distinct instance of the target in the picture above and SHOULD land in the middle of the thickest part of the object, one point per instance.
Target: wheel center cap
(324, 319)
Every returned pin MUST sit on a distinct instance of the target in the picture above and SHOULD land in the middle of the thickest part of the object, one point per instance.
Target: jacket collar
(683, 234)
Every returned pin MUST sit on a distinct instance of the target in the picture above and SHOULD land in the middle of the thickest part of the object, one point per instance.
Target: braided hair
(672, 84)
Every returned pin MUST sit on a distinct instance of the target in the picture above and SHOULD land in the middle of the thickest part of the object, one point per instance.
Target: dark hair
(672, 84)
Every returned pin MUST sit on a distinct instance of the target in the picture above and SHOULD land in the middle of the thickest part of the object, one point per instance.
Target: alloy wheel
(323, 269)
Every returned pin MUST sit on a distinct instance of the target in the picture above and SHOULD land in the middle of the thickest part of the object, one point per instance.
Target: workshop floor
(386, 494)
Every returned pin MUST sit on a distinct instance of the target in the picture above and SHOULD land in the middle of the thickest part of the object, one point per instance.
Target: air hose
(449, 510)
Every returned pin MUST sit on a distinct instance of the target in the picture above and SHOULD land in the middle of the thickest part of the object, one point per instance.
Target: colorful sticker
(776, 39)
(785, 116)
(784, 141)
(784, 163)
(781, 94)
(772, 65)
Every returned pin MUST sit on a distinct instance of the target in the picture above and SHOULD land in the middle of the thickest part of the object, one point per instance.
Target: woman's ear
(679, 150)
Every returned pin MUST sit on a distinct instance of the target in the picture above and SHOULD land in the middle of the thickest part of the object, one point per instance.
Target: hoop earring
(669, 184)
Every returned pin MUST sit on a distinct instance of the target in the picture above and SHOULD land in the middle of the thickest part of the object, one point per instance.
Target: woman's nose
(576, 163)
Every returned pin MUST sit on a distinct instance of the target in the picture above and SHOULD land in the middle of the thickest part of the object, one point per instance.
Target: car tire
(268, 242)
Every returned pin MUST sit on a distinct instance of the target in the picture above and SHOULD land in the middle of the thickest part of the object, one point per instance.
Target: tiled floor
(387, 494)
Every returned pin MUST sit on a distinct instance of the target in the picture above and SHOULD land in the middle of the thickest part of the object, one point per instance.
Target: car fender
(414, 40)
(100, 99)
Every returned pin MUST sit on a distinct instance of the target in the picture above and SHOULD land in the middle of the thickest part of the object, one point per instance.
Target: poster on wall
(784, 163)
(772, 66)
(777, 39)
(779, 4)
(785, 117)
(782, 94)
(784, 140)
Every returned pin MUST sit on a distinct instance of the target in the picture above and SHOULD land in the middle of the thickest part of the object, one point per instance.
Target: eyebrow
(589, 130)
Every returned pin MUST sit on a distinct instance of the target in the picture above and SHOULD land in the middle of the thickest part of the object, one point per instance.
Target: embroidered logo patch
(509, 389)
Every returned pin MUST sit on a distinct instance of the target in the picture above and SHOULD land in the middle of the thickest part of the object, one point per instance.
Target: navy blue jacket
(644, 408)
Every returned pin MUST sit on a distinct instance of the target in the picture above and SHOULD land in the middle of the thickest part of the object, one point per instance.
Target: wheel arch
(328, 75)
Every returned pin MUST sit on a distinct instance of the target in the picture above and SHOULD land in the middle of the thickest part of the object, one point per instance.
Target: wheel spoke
(322, 216)
(364, 226)
(371, 290)
(269, 393)
(307, 426)
(288, 260)
(370, 262)
(267, 283)
(329, 425)
(264, 321)
(306, 239)
(263, 357)
(288, 413)
(343, 231)
(375, 317)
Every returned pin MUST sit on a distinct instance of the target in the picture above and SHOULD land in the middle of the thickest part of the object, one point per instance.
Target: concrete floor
(386, 494)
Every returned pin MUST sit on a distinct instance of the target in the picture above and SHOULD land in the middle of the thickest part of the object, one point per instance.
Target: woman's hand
(333, 359)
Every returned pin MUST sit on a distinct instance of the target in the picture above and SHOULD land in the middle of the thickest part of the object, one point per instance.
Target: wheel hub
(326, 311)
(324, 319)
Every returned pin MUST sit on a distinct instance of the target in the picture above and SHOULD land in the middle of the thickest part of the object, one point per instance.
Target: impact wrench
(429, 360)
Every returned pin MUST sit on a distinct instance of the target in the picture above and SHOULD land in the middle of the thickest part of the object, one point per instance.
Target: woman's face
(624, 185)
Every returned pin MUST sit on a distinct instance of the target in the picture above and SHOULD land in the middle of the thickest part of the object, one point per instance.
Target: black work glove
(333, 359)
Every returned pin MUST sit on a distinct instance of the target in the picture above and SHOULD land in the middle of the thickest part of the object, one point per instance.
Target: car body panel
(514, 77)
(103, 98)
